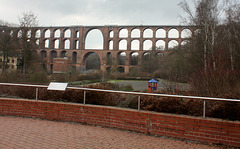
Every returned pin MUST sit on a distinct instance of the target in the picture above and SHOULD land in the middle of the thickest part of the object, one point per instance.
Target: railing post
(36, 93)
(204, 108)
(139, 103)
(84, 97)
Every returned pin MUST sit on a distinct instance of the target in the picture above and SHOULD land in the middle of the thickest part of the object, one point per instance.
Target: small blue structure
(152, 85)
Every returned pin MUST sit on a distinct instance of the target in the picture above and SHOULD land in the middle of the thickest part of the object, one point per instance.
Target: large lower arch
(91, 60)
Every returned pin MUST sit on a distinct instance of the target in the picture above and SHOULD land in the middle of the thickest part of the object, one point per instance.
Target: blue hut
(152, 85)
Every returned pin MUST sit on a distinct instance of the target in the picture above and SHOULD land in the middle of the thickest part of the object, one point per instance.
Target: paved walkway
(34, 133)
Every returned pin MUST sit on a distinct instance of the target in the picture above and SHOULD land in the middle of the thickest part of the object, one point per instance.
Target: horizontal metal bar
(132, 93)
(25, 85)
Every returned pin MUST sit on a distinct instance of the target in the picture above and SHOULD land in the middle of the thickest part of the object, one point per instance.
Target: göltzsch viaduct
(68, 44)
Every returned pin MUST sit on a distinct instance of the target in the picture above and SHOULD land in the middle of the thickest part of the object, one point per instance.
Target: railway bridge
(127, 45)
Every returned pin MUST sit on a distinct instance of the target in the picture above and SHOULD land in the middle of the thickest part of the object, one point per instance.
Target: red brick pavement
(34, 133)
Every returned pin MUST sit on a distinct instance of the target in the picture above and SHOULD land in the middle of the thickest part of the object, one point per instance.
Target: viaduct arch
(55, 41)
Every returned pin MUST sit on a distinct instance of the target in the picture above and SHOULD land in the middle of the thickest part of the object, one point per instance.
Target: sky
(94, 12)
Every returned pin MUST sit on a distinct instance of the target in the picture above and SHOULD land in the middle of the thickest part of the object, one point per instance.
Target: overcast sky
(94, 12)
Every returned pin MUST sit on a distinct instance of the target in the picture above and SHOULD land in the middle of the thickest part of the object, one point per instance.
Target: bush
(218, 83)
(225, 110)
(172, 105)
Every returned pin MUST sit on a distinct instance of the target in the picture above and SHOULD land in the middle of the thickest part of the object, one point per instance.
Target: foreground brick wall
(193, 128)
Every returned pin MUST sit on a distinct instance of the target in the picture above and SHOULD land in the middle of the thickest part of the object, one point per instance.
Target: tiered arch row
(114, 37)
(123, 60)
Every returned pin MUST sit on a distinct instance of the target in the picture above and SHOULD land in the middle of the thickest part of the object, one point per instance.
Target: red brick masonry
(177, 126)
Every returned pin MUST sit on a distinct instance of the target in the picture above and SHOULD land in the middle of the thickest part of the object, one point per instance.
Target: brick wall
(60, 65)
(177, 126)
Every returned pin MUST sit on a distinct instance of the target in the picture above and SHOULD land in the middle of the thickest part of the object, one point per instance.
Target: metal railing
(132, 93)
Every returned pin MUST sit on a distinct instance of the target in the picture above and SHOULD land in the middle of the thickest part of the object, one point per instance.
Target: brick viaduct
(70, 41)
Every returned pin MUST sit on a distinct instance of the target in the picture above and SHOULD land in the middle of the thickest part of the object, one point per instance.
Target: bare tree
(27, 21)
(206, 18)
(7, 43)
(233, 32)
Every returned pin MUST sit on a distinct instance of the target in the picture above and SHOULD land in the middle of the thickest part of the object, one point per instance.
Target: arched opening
(120, 69)
(77, 34)
(46, 44)
(122, 58)
(109, 60)
(38, 34)
(11, 33)
(183, 43)
(47, 34)
(111, 34)
(135, 33)
(148, 33)
(135, 45)
(172, 44)
(123, 45)
(63, 54)
(74, 58)
(186, 33)
(29, 34)
(94, 40)
(38, 42)
(53, 54)
(67, 44)
(57, 33)
(19, 34)
(134, 58)
(67, 33)
(160, 45)
(92, 61)
(123, 33)
(56, 44)
(147, 45)
(146, 56)
(110, 45)
(173, 33)
(160, 33)
(76, 44)
(160, 54)
(43, 54)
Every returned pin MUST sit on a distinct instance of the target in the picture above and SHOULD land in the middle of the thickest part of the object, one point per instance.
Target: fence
(139, 94)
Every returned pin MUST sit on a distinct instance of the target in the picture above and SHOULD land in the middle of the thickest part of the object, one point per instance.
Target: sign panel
(57, 86)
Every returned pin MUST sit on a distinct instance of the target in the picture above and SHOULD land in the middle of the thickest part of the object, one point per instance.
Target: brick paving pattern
(27, 133)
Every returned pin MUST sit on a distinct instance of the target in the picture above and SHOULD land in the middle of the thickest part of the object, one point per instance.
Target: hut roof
(152, 81)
